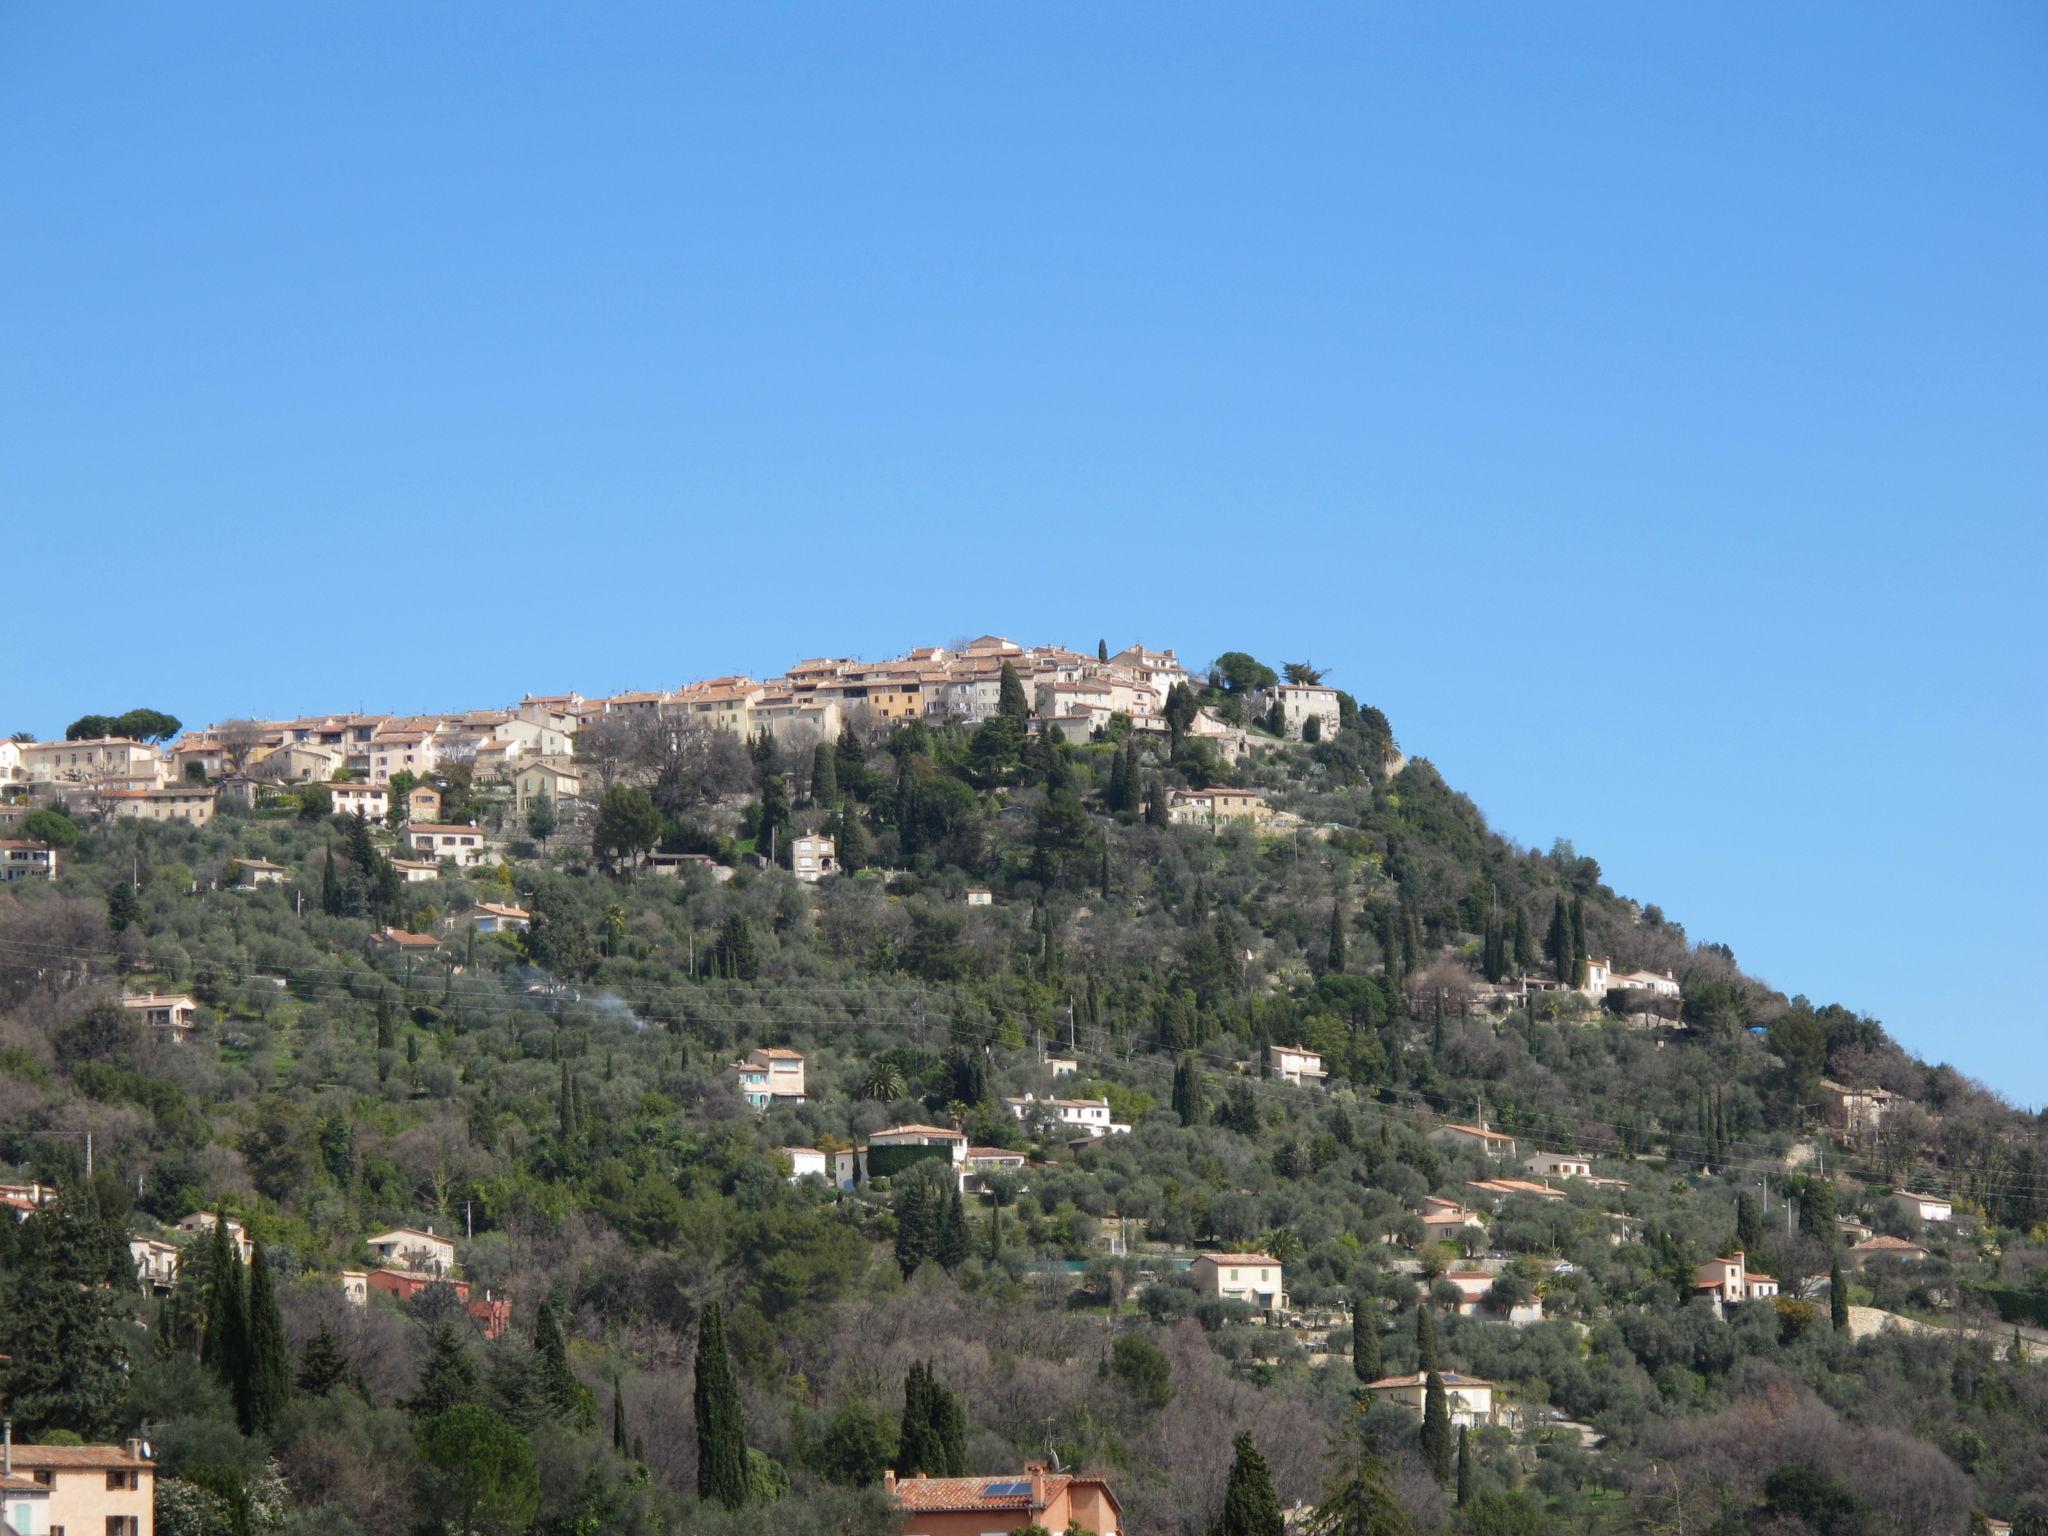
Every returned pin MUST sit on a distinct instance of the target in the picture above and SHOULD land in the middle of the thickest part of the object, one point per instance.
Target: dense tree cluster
(764, 1349)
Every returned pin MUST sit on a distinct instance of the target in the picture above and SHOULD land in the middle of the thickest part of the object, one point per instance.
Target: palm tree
(882, 1081)
(614, 922)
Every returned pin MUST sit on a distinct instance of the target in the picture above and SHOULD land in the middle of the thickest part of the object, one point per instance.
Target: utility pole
(468, 1223)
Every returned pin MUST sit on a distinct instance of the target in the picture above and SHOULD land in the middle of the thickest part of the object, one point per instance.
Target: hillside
(1157, 911)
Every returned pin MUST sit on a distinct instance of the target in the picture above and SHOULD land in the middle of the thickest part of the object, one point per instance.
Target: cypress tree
(1558, 944)
(267, 1384)
(1390, 948)
(1838, 1296)
(1365, 1339)
(1437, 1449)
(565, 1106)
(1250, 1507)
(918, 1446)
(619, 1418)
(1425, 1340)
(1102, 650)
(824, 775)
(226, 1345)
(951, 1248)
(1525, 943)
(721, 1432)
(123, 906)
(1156, 814)
(949, 1421)
(322, 1365)
(1334, 961)
(1579, 954)
(1464, 1465)
(1010, 699)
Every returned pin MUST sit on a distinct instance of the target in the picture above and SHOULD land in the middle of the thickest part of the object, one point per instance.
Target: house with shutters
(1729, 1281)
(82, 1489)
(1492, 1143)
(1295, 1064)
(1253, 1278)
(770, 1075)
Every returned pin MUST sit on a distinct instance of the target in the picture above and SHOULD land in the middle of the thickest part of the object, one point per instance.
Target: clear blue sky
(1645, 405)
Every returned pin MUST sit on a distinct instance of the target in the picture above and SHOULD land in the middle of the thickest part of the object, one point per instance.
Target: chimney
(889, 1482)
(1037, 1471)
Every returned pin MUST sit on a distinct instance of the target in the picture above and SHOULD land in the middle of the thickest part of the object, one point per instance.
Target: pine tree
(1365, 1339)
(123, 906)
(1361, 1504)
(1010, 699)
(917, 1221)
(1425, 1340)
(322, 1364)
(65, 1368)
(566, 1397)
(1437, 1449)
(1838, 1296)
(1334, 960)
(448, 1379)
(1464, 1465)
(721, 1431)
(267, 1384)
(1250, 1507)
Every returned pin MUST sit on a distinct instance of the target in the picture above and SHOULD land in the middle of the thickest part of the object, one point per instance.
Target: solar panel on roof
(1005, 1490)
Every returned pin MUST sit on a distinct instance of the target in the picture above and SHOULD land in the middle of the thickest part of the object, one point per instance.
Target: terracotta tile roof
(1887, 1244)
(75, 1458)
(1239, 1258)
(1477, 1130)
(920, 1130)
(1421, 1379)
(938, 1495)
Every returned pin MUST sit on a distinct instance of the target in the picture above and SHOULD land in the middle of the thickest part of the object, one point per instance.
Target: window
(123, 1479)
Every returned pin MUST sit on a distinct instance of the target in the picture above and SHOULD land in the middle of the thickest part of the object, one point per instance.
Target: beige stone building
(1254, 1278)
(89, 1490)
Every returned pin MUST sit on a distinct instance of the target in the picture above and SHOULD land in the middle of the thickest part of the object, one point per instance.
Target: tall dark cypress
(1250, 1507)
(1365, 1339)
(1334, 959)
(919, 1448)
(226, 1345)
(1437, 1448)
(1425, 1340)
(619, 1418)
(1558, 944)
(1464, 1465)
(952, 1247)
(1838, 1296)
(721, 1431)
(267, 1380)
(1579, 952)
(1010, 699)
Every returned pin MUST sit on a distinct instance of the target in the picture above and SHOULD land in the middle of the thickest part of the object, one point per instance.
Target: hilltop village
(1000, 1088)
